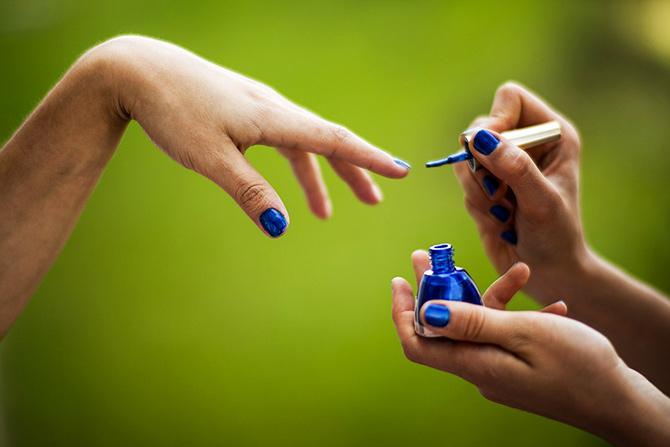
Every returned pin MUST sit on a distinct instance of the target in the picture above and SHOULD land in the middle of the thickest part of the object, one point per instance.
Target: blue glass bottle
(444, 281)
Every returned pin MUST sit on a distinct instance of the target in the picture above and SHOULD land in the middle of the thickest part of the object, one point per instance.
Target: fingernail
(485, 142)
(273, 222)
(491, 184)
(402, 163)
(437, 315)
(509, 236)
(500, 212)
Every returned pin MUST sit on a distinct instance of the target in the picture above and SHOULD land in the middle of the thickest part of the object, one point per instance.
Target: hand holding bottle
(540, 362)
(526, 207)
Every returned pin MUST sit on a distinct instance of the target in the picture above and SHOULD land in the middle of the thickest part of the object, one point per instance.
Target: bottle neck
(442, 258)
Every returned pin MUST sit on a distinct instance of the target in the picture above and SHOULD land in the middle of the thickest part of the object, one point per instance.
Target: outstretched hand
(205, 117)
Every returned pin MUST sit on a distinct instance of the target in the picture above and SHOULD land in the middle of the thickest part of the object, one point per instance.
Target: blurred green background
(169, 319)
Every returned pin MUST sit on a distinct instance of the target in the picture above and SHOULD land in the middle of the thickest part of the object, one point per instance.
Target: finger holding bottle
(500, 292)
(527, 360)
(545, 364)
(466, 360)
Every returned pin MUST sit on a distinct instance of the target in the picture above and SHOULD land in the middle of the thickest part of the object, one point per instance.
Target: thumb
(469, 322)
(515, 168)
(250, 190)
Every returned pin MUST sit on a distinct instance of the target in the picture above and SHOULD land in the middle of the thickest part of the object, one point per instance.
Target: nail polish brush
(525, 138)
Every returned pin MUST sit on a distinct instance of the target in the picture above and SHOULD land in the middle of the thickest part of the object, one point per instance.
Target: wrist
(76, 128)
(582, 287)
(640, 413)
(568, 275)
(113, 69)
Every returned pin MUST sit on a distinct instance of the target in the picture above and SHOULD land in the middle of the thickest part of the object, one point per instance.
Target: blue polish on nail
(402, 163)
(274, 222)
(485, 142)
(509, 236)
(445, 281)
(500, 212)
(437, 315)
(491, 184)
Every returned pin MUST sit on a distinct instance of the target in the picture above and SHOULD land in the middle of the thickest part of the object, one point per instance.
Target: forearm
(634, 316)
(47, 172)
(640, 416)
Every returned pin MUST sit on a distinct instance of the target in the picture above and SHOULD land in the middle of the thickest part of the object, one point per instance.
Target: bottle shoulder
(458, 273)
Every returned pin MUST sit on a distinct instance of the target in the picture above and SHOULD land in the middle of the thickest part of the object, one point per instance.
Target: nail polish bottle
(444, 281)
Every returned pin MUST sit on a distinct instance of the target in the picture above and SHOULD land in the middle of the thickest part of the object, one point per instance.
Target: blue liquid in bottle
(444, 281)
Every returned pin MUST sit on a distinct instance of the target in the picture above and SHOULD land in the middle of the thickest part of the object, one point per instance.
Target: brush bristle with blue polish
(453, 158)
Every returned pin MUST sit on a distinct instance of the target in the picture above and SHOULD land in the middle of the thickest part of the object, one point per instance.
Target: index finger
(421, 263)
(310, 133)
(516, 106)
(503, 289)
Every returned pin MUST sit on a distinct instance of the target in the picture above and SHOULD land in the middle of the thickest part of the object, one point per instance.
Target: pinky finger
(557, 308)
(358, 180)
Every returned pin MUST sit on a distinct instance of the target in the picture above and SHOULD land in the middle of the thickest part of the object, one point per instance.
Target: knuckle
(490, 372)
(479, 121)
(550, 206)
(261, 93)
(473, 325)
(340, 133)
(250, 195)
(508, 88)
(542, 213)
(546, 210)
(521, 338)
(410, 349)
(469, 206)
(489, 393)
(518, 164)
(571, 136)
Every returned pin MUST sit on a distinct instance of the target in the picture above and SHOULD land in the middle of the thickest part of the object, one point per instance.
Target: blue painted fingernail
(437, 315)
(274, 222)
(485, 142)
(509, 236)
(491, 184)
(500, 212)
(402, 163)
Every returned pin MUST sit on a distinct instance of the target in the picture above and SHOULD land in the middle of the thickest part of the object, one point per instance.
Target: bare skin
(541, 191)
(200, 114)
(543, 362)
(540, 362)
